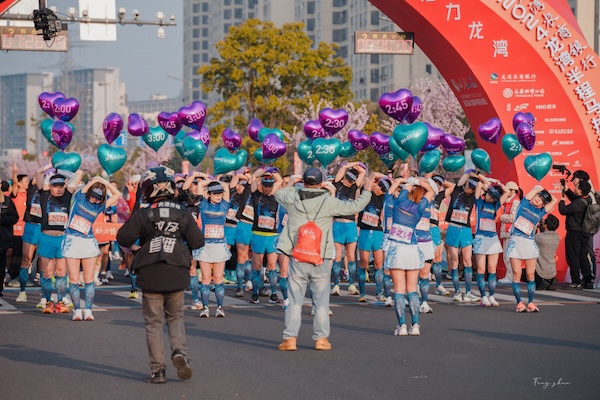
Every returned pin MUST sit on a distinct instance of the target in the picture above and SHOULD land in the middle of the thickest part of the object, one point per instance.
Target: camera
(46, 21)
(563, 170)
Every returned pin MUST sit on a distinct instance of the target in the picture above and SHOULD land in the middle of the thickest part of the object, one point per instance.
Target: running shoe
(470, 296)
(521, 307)
(126, 273)
(273, 299)
(254, 299)
(457, 296)
(197, 305)
(157, 377)
(204, 313)
(60, 308)
(181, 363)
(77, 316)
(22, 297)
(109, 276)
(42, 303)
(285, 303)
(352, 289)
(425, 309)
(531, 307)
(485, 302)
(401, 330)
(68, 302)
(97, 281)
(239, 292)
(362, 299)
(249, 286)
(14, 283)
(87, 315)
(219, 312)
(505, 281)
(493, 302)
(335, 290)
(263, 292)
(414, 330)
(388, 301)
(48, 308)
(381, 298)
(103, 278)
(441, 290)
(133, 294)
(312, 311)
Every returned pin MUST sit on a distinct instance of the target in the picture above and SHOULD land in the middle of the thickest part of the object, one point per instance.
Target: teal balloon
(481, 160)
(258, 154)
(538, 166)
(347, 150)
(178, 142)
(397, 150)
(225, 161)
(411, 137)
(263, 132)
(511, 146)
(46, 127)
(326, 150)
(155, 137)
(194, 150)
(389, 159)
(429, 161)
(306, 153)
(67, 161)
(454, 163)
(111, 158)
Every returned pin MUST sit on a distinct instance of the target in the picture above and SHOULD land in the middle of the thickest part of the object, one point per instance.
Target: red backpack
(308, 243)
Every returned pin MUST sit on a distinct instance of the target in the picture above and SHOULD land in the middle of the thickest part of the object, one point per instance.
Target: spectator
(547, 241)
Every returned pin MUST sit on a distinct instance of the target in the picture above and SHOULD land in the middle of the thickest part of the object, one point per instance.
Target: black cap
(214, 187)
(351, 175)
(581, 175)
(312, 176)
(546, 196)
(268, 181)
(493, 191)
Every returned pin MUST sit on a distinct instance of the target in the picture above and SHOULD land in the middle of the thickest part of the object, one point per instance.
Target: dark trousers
(577, 252)
(17, 256)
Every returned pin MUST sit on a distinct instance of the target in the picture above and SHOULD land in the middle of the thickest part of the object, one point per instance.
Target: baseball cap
(438, 179)
(511, 185)
(312, 176)
(492, 191)
(545, 195)
(57, 180)
(472, 182)
(268, 181)
(351, 175)
(215, 188)
(97, 193)
(384, 184)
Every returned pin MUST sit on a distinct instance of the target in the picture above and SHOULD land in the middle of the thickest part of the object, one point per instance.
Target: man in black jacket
(8, 217)
(167, 234)
(576, 244)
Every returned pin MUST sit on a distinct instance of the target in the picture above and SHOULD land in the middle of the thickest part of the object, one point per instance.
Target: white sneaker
(457, 296)
(381, 298)
(249, 286)
(485, 302)
(219, 312)
(441, 290)
(67, 302)
(42, 303)
(470, 296)
(505, 281)
(414, 330)
(425, 309)
(352, 290)
(87, 315)
(109, 276)
(14, 283)
(335, 291)
(401, 330)
(77, 316)
(22, 297)
(197, 305)
(285, 303)
(312, 311)
(97, 281)
(493, 302)
(204, 313)
(126, 273)
(388, 301)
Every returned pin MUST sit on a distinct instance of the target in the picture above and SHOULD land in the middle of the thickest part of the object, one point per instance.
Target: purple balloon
(523, 117)
(203, 134)
(136, 125)
(435, 137)
(380, 143)
(314, 130)
(332, 120)
(397, 105)
(231, 139)
(46, 101)
(490, 131)
(358, 140)
(273, 147)
(526, 135)
(66, 109)
(112, 127)
(415, 110)
(253, 128)
(193, 115)
(170, 122)
(452, 144)
(61, 134)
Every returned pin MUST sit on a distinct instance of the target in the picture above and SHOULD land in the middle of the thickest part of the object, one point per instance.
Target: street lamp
(188, 83)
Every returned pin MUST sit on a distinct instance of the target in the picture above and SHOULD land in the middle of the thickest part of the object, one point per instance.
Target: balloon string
(506, 172)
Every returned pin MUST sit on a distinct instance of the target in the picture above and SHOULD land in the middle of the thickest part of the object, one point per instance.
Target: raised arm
(15, 186)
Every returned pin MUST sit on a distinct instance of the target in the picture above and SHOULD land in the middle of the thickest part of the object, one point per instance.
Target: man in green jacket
(313, 202)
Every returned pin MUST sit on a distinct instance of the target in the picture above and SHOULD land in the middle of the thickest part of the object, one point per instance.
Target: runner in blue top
(388, 211)
(521, 246)
(427, 246)
(445, 189)
(214, 254)
(236, 186)
(486, 244)
(80, 247)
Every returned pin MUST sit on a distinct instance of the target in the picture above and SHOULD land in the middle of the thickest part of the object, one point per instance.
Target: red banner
(6, 4)
(106, 231)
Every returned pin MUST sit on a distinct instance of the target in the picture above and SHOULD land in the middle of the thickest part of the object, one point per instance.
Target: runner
(445, 189)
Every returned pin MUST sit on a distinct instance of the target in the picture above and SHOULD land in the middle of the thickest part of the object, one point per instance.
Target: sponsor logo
(494, 77)
(521, 107)
(562, 131)
(571, 154)
(545, 106)
(555, 119)
(507, 93)
(576, 163)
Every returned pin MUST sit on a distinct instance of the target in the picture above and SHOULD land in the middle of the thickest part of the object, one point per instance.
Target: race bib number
(231, 213)
(370, 219)
(524, 225)
(460, 217)
(401, 233)
(435, 214)
(80, 225)
(265, 222)
(214, 231)
(248, 212)
(284, 220)
(57, 219)
(36, 210)
(423, 225)
(487, 225)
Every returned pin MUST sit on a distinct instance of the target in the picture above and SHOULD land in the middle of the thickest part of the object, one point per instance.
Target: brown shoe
(288, 344)
(322, 344)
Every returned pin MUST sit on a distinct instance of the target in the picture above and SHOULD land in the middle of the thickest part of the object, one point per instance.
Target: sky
(145, 62)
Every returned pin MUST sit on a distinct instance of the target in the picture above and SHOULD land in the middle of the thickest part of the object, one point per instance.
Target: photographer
(547, 240)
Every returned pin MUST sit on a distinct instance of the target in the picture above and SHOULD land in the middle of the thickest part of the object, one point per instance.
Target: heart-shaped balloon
(67, 161)
(389, 159)
(136, 125)
(305, 152)
(397, 105)
(253, 128)
(380, 143)
(225, 161)
(112, 127)
(454, 163)
(178, 142)
(481, 160)
(429, 161)
(46, 102)
(490, 131)
(232, 140)
(526, 135)
(263, 132)
(111, 158)
(193, 150)
(453, 144)
(314, 130)
(359, 140)
(397, 150)
(326, 150)
(332, 120)
(523, 117)
(65, 109)
(258, 154)
(46, 128)
(511, 146)
(347, 150)
(202, 134)
(155, 138)
(62, 134)
(538, 166)
(193, 115)
(435, 136)
(411, 137)
(273, 146)
(415, 110)
(169, 122)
